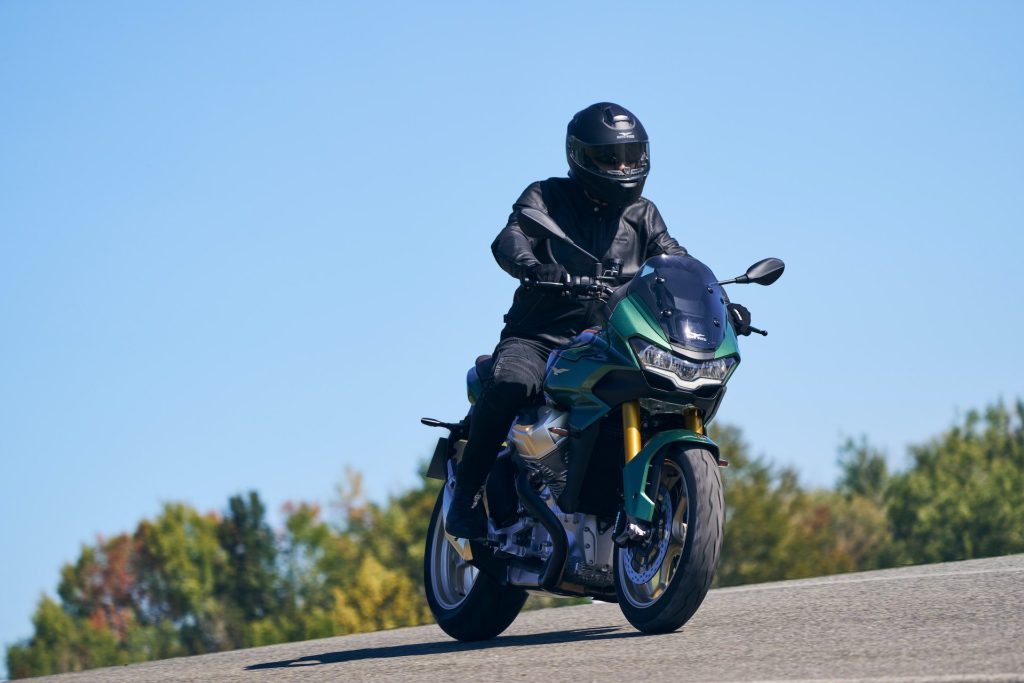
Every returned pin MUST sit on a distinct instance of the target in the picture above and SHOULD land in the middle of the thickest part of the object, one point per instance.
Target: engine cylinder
(539, 437)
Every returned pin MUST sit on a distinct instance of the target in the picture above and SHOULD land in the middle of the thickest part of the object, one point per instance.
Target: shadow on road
(446, 646)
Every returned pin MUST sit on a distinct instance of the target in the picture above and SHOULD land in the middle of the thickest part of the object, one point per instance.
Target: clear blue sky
(243, 245)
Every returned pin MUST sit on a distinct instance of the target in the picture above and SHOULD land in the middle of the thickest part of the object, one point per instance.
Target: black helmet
(608, 153)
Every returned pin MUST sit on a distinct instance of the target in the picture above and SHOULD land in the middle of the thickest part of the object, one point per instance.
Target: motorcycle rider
(600, 207)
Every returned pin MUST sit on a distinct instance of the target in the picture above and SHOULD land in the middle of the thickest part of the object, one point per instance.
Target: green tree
(61, 642)
(249, 587)
(392, 536)
(314, 559)
(963, 496)
(759, 501)
(863, 471)
(178, 566)
(101, 585)
(863, 483)
(775, 529)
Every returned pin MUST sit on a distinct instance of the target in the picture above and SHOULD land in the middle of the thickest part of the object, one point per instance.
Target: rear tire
(661, 583)
(468, 604)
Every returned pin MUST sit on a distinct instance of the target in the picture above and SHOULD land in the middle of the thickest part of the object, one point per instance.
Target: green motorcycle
(610, 488)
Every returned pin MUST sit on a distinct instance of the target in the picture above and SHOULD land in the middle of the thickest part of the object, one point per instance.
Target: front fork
(629, 529)
(631, 426)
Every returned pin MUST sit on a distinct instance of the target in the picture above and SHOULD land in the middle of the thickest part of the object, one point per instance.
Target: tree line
(189, 583)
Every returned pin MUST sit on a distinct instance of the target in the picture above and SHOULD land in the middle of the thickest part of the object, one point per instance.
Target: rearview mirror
(540, 221)
(764, 272)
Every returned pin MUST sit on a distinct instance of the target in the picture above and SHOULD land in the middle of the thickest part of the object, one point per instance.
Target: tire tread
(701, 551)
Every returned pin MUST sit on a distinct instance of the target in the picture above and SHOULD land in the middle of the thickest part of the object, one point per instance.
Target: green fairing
(729, 345)
(575, 387)
(634, 474)
(580, 368)
(631, 320)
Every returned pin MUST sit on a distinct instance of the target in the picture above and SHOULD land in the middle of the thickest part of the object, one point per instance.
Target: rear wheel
(467, 604)
(661, 582)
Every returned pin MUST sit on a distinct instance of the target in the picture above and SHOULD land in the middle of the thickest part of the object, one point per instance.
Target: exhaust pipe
(555, 566)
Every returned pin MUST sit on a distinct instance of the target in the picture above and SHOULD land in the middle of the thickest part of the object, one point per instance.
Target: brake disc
(643, 561)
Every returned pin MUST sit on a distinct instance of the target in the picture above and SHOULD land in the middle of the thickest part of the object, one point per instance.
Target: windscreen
(681, 293)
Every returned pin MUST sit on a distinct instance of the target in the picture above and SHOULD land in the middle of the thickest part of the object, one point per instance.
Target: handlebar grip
(578, 284)
(528, 283)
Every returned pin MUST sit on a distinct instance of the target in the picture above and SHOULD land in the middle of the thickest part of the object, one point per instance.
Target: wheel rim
(451, 577)
(647, 570)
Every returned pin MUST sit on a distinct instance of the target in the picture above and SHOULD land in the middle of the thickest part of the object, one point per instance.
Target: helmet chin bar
(608, 191)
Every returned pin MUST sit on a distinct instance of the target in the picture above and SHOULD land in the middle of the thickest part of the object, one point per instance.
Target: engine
(539, 439)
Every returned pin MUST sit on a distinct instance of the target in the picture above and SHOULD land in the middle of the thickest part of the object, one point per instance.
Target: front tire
(467, 604)
(661, 583)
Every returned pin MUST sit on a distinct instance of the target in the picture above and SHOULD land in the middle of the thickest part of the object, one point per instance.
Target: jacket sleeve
(658, 240)
(513, 248)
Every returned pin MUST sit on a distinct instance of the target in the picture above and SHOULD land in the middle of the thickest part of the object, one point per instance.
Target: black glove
(740, 317)
(549, 272)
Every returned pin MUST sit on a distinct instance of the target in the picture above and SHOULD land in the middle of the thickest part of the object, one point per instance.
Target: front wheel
(661, 582)
(467, 604)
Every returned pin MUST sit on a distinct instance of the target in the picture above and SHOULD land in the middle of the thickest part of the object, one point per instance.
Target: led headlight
(686, 374)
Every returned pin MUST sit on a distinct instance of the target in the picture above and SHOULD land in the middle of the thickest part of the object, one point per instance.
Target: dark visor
(627, 158)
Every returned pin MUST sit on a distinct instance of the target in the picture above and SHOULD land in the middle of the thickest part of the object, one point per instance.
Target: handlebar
(578, 285)
(599, 287)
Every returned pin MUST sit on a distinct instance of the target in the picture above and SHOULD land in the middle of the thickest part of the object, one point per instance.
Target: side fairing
(573, 371)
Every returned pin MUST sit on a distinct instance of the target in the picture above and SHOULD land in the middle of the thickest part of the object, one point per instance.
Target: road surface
(955, 622)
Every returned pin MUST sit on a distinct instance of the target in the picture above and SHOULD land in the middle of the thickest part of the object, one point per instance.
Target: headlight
(687, 374)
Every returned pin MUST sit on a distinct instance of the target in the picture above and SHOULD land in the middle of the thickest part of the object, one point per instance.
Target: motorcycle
(610, 488)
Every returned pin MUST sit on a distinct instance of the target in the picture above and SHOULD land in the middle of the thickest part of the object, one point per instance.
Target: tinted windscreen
(682, 294)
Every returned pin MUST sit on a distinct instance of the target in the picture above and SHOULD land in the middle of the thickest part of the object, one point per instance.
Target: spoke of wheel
(449, 574)
(465, 578)
(453, 577)
(668, 566)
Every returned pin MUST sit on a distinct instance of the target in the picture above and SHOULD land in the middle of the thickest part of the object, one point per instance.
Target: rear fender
(634, 475)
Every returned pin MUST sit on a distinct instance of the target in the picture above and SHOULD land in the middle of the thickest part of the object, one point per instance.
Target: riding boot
(465, 518)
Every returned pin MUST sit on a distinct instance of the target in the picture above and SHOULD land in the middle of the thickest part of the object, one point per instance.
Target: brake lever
(763, 333)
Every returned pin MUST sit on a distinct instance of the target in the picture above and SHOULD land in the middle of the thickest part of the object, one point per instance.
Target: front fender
(634, 474)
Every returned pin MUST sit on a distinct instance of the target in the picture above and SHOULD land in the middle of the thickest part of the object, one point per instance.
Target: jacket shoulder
(643, 213)
(541, 193)
(644, 204)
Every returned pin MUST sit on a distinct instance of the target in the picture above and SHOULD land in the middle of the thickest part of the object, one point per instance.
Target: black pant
(518, 377)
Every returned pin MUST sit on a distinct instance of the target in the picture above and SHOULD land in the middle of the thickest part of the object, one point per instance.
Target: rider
(600, 208)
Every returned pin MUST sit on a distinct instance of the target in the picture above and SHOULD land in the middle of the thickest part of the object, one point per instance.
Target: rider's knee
(509, 391)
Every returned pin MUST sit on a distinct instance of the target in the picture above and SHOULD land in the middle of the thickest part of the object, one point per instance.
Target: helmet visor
(621, 161)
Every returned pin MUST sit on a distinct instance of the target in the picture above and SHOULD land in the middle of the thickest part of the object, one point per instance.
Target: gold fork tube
(631, 428)
(693, 421)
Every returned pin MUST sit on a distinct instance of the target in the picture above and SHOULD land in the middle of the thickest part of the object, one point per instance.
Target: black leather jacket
(632, 234)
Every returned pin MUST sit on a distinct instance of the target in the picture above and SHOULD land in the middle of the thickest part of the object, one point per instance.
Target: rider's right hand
(740, 319)
(549, 272)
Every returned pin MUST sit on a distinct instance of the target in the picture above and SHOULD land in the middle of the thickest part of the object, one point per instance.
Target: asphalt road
(952, 622)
